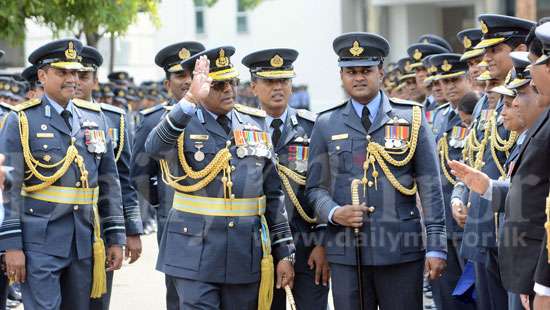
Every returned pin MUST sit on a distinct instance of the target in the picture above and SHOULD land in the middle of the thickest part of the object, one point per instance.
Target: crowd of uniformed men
(436, 167)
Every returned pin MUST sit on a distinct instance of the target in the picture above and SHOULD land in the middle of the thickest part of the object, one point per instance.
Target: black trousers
(386, 287)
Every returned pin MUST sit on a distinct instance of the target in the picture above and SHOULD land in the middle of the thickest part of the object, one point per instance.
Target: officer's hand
(474, 179)
(540, 302)
(285, 274)
(133, 248)
(350, 215)
(15, 266)
(318, 260)
(114, 257)
(460, 213)
(434, 267)
(200, 85)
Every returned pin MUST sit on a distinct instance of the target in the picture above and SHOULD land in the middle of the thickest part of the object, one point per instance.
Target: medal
(199, 155)
(241, 152)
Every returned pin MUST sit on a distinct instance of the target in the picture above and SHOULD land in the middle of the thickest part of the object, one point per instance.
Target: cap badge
(121, 76)
(15, 89)
(417, 54)
(277, 61)
(222, 61)
(121, 93)
(70, 52)
(426, 40)
(446, 66)
(7, 86)
(407, 66)
(184, 54)
(483, 26)
(356, 50)
(467, 42)
(432, 69)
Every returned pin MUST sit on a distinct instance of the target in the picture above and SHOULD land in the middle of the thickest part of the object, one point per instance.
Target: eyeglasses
(220, 85)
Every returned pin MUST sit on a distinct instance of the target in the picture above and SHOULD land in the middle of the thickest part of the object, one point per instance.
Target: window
(242, 17)
(200, 8)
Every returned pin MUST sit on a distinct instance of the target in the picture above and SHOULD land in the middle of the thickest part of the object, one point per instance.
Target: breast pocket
(340, 156)
(48, 150)
(199, 153)
(184, 242)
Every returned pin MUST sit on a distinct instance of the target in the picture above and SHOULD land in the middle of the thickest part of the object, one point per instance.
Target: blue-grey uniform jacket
(218, 249)
(393, 232)
(116, 117)
(451, 119)
(47, 227)
(145, 170)
(296, 134)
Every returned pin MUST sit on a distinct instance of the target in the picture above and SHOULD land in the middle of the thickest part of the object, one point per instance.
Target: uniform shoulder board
(442, 106)
(86, 105)
(151, 109)
(7, 106)
(112, 108)
(334, 108)
(27, 104)
(250, 110)
(306, 114)
(407, 102)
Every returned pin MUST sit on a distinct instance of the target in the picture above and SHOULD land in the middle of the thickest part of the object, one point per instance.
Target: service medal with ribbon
(297, 157)
(458, 135)
(252, 143)
(397, 134)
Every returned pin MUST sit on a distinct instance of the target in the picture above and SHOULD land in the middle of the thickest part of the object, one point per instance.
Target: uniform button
(231, 224)
(77, 184)
(372, 209)
(73, 139)
(412, 213)
(45, 146)
(75, 207)
(31, 210)
(337, 147)
(184, 229)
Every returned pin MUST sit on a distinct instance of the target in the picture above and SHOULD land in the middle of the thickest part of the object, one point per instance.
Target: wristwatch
(291, 258)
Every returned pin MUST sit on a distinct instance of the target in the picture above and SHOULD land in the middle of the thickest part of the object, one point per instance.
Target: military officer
(379, 142)
(472, 56)
(408, 79)
(435, 39)
(35, 89)
(501, 35)
(118, 132)
(227, 221)
(418, 52)
(145, 171)
(290, 130)
(64, 183)
(451, 73)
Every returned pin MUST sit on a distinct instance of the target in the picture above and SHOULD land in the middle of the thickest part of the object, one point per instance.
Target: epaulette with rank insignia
(112, 108)
(334, 107)
(7, 106)
(306, 114)
(150, 110)
(250, 110)
(407, 102)
(27, 104)
(86, 105)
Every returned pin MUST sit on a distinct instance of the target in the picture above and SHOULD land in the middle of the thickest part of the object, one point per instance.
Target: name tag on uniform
(44, 135)
(198, 137)
(342, 136)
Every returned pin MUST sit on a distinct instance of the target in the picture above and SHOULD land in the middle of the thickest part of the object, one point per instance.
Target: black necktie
(224, 122)
(365, 118)
(276, 125)
(67, 118)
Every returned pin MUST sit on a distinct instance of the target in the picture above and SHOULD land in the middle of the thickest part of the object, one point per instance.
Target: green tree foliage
(92, 18)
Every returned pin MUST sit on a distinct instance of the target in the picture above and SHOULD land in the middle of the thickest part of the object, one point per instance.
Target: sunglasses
(220, 85)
